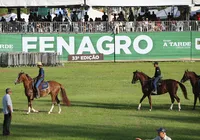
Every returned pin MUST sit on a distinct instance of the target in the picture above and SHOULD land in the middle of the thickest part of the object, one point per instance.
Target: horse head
(21, 77)
(139, 76)
(188, 75)
(135, 77)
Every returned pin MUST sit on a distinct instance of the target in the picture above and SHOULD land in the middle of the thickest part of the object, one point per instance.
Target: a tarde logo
(104, 45)
(170, 43)
(6, 47)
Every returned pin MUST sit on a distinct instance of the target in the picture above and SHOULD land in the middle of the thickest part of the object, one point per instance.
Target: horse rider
(156, 77)
(39, 79)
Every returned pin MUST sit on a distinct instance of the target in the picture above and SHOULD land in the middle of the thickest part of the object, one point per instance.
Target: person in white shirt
(7, 110)
(161, 135)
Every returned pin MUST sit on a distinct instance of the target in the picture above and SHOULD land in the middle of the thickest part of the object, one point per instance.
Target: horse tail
(64, 96)
(184, 90)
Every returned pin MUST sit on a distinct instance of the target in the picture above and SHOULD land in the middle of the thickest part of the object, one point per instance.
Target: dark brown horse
(194, 78)
(52, 89)
(168, 85)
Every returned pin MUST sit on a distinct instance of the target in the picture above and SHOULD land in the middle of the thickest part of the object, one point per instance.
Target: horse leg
(195, 101)
(139, 106)
(34, 110)
(58, 103)
(51, 109)
(29, 105)
(149, 97)
(172, 101)
(178, 100)
(53, 102)
(30, 108)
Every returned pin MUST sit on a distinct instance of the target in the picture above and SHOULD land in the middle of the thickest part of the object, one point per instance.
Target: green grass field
(104, 104)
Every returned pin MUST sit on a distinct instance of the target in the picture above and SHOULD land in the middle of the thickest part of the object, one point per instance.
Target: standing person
(104, 17)
(39, 78)
(7, 110)
(86, 17)
(156, 77)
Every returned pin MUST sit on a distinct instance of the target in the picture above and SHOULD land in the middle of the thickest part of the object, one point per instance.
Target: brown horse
(52, 89)
(194, 78)
(168, 85)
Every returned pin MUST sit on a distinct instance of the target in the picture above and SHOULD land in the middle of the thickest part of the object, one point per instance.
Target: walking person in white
(7, 110)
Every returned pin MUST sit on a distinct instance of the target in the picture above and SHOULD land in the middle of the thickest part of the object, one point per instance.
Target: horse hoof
(28, 113)
(49, 112)
(149, 109)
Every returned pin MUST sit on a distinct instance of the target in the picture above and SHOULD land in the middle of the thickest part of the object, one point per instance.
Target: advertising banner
(123, 46)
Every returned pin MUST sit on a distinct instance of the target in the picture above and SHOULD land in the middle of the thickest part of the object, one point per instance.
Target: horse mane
(29, 78)
(145, 75)
(193, 73)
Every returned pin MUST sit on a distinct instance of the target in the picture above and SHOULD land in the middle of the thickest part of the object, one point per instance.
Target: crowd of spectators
(119, 21)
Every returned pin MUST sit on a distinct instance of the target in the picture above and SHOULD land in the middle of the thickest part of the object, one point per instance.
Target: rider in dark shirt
(39, 78)
(156, 77)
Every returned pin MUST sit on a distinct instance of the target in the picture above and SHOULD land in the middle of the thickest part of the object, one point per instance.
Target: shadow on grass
(55, 131)
(103, 105)
(96, 132)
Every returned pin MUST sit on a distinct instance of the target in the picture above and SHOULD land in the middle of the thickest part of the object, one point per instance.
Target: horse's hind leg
(172, 101)
(178, 100)
(150, 103)
(58, 103)
(53, 103)
(195, 101)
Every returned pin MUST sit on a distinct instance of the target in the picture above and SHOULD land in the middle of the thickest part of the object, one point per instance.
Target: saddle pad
(45, 85)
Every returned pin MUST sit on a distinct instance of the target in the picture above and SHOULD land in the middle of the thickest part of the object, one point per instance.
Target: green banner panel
(123, 46)
(10, 43)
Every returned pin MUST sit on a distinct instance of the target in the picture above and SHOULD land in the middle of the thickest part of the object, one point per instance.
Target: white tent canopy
(29, 3)
(138, 2)
(196, 2)
(14, 16)
(94, 13)
(162, 14)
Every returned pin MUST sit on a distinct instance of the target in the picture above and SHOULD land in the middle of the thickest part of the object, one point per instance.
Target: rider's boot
(38, 93)
(154, 91)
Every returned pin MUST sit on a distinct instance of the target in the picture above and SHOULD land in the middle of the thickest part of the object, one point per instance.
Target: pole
(114, 49)
(191, 44)
(18, 14)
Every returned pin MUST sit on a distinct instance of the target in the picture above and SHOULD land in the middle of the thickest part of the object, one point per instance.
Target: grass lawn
(104, 104)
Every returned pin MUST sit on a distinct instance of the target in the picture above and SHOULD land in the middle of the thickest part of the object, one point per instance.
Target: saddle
(159, 83)
(43, 85)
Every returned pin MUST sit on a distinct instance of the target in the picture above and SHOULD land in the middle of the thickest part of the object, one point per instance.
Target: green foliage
(104, 104)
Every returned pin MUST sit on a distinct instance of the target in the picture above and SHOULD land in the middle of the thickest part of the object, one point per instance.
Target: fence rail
(28, 59)
(98, 27)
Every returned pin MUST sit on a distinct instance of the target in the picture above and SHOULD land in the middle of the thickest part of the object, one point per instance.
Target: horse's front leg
(30, 108)
(29, 105)
(149, 97)
(139, 106)
(34, 110)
